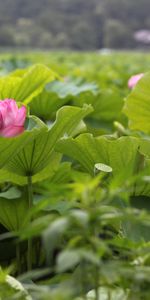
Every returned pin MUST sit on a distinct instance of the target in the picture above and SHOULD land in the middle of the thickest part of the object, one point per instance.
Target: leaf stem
(83, 272)
(18, 258)
(30, 204)
(97, 296)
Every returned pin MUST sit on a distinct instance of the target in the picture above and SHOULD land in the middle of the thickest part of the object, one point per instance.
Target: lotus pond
(74, 176)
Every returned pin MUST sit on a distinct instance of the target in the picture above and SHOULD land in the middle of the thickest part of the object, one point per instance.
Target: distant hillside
(75, 24)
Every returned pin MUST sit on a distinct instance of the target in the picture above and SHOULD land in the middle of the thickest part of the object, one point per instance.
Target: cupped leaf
(24, 88)
(137, 105)
(37, 154)
(46, 104)
(58, 93)
(33, 82)
(9, 147)
(120, 154)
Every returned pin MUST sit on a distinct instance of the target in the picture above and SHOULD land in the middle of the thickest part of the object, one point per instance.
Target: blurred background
(75, 24)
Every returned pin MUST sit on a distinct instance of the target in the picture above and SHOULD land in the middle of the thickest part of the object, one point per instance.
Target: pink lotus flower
(12, 118)
(134, 80)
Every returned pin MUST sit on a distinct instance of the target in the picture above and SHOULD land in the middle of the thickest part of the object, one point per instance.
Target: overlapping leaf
(120, 154)
(9, 147)
(58, 93)
(8, 176)
(37, 155)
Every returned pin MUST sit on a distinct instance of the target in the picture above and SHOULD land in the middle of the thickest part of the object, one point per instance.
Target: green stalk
(97, 297)
(109, 295)
(18, 258)
(30, 203)
(83, 272)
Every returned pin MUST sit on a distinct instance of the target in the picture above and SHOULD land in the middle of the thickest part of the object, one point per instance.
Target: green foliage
(121, 154)
(10, 287)
(75, 185)
(137, 106)
(26, 87)
(11, 146)
(58, 93)
(13, 211)
(38, 154)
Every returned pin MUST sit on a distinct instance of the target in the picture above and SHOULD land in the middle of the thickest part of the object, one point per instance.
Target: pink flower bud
(12, 118)
(134, 80)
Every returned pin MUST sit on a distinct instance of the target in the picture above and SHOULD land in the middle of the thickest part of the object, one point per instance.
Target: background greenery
(73, 24)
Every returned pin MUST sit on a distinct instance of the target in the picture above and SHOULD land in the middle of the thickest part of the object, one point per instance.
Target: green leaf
(11, 193)
(53, 234)
(46, 104)
(107, 293)
(6, 176)
(18, 287)
(62, 174)
(71, 88)
(33, 82)
(9, 147)
(49, 171)
(7, 85)
(11, 288)
(134, 230)
(120, 154)
(67, 260)
(13, 212)
(58, 93)
(24, 88)
(37, 155)
(107, 105)
(137, 105)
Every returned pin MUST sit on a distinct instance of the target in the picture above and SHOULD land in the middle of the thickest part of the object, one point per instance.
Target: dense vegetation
(73, 24)
(75, 185)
